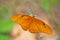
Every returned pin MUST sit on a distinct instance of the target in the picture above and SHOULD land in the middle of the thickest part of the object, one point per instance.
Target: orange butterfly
(32, 24)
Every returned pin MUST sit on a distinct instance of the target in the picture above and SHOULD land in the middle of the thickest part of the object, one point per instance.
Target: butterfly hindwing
(33, 28)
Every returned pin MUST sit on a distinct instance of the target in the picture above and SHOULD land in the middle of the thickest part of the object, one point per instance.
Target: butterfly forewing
(25, 23)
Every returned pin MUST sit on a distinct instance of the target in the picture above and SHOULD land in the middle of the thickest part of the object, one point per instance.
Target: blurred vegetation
(6, 24)
(47, 4)
(4, 37)
(58, 38)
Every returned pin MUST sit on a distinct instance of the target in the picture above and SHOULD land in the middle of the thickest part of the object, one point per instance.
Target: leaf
(45, 5)
(3, 10)
(5, 22)
(6, 26)
(58, 38)
(4, 37)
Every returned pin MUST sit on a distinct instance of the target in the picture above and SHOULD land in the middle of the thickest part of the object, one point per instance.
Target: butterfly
(32, 24)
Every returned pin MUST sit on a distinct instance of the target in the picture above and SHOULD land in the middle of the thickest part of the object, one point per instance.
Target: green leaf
(53, 2)
(48, 4)
(45, 5)
(58, 38)
(4, 37)
(3, 9)
(6, 26)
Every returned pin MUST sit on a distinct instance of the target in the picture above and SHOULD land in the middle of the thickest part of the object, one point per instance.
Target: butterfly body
(32, 24)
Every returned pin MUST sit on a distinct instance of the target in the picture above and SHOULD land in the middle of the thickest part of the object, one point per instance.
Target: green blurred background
(8, 9)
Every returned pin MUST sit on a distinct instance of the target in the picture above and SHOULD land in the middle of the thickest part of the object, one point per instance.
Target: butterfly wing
(22, 20)
(33, 28)
(32, 24)
(39, 26)
(26, 24)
